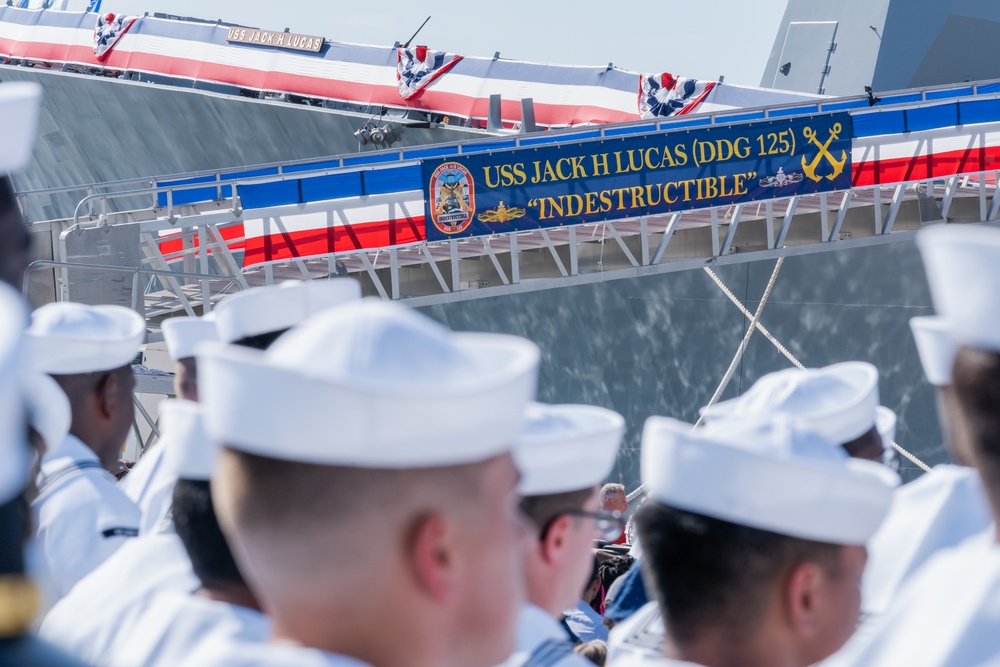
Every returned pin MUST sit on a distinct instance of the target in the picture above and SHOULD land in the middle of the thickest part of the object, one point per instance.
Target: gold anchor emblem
(824, 152)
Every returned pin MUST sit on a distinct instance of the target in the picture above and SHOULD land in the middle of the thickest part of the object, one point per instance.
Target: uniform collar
(534, 626)
(70, 450)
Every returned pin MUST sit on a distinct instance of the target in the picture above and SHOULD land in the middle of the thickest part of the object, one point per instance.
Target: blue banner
(615, 178)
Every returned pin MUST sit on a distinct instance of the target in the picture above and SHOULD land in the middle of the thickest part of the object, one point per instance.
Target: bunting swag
(417, 68)
(662, 95)
(110, 28)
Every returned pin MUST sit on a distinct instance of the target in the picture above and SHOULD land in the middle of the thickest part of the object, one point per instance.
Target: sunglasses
(608, 526)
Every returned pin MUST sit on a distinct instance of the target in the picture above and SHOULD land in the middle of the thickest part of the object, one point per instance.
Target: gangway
(917, 158)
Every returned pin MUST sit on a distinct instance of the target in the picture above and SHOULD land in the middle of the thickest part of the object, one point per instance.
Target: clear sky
(693, 38)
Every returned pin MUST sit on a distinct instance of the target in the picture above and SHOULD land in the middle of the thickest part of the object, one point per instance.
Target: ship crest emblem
(501, 214)
(453, 198)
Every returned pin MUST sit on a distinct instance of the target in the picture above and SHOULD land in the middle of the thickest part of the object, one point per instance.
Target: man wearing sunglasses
(564, 453)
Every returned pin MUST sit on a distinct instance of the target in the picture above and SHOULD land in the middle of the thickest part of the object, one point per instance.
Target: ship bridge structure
(528, 212)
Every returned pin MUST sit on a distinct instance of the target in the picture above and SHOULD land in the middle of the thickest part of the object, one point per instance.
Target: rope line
(788, 355)
(760, 327)
(755, 325)
(738, 357)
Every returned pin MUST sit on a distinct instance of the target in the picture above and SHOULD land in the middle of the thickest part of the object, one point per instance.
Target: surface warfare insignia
(501, 214)
(781, 179)
(453, 198)
(810, 167)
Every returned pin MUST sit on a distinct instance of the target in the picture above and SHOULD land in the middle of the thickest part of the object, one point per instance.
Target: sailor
(256, 317)
(368, 488)
(105, 606)
(753, 540)
(146, 485)
(81, 517)
(564, 453)
(945, 614)
(941, 509)
(839, 402)
(19, 597)
(174, 623)
(98, 612)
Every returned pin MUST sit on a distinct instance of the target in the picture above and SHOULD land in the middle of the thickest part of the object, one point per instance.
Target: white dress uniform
(101, 611)
(175, 625)
(150, 484)
(946, 614)
(640, 635)
(586, 623)
(222, 653)
(649, 661)
(151, 488)
(81, 517)
(937, 511)
(542, 642)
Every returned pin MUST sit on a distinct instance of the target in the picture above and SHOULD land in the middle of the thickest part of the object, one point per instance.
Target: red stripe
(317, 242)
(921, 167)
(697, 101)
(347, 91)
(230, 232)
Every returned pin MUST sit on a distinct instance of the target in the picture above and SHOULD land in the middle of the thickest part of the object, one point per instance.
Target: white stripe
(47, 34)
(348, 211)
(925, 142)
(276, 61)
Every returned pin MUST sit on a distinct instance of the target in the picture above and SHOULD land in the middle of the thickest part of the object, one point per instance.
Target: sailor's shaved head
(438, 546)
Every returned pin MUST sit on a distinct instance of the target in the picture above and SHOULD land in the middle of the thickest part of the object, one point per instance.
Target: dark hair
(198, 528)
(260, 341)
(14, 529)
(710, 573)
(8, 199)
(614, 567)
(976, 382)
(542, 510)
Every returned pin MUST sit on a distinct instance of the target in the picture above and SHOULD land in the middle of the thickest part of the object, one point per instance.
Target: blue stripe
(929, 118)
(978, 111)
(879, 122)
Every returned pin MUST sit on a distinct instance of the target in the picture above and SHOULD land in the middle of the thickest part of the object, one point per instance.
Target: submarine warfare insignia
(781, 179)
(453, 198)
(824, 153)
(501, 214)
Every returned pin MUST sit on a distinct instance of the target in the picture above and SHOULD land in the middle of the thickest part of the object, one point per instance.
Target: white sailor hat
(885, 423)
(964, 277)
(272, 308)
(19, 104)
(183, 334)
(936, 347)
(838, 402)
(49, 411)
(190, 453)
(767, 473)
(71, 338)
(565, 448)
(13, 446)
(370, 384)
